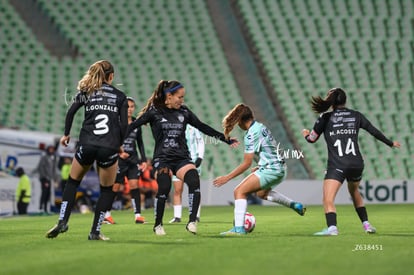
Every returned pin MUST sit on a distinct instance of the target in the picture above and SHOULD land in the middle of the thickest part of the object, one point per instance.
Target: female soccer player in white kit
(270, 172)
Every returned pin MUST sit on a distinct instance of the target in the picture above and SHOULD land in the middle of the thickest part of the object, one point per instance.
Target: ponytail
(336, 97)
(239, 114)
(158, 96)
(96, 75)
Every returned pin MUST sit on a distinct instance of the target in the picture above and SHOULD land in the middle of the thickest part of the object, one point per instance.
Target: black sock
(193, 181)
(104, 203)
(330, 218)
(362, 213)
(136, 200)
(164, 186)
(68, 200)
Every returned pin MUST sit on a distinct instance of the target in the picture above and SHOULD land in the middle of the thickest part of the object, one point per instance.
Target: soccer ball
(249, 222)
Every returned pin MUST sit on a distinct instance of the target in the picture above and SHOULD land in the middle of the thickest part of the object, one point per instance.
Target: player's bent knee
(192, 179)
(164, 181)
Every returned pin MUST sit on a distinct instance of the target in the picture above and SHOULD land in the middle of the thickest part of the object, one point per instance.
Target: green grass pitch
(282, 243)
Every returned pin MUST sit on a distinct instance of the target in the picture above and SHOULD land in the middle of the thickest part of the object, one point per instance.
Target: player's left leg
(107, 178)
(270, 178)
(359, 206)
(136, 200)
(189, 175)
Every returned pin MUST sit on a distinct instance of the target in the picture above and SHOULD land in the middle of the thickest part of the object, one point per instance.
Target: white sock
(107, 214)
(134, 206)
(240, 206)
(198, 211)
(279, 198)
(178, 209)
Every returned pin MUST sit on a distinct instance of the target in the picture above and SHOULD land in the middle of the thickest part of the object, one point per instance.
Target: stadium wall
(309, 192)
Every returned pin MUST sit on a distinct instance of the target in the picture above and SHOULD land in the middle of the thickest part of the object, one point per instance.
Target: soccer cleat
(159, 230)
(198, 219)
(191, 227)
(235, 231)
(97, 237)
(369, 228)
(175, 220)
(330, 231)
(298, 208)
(140, 219)
(56, 230)
(109, 220)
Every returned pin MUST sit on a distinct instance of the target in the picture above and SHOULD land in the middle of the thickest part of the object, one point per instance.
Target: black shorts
(174, 166)
(127, 169)
(87, 154)
(350, 174)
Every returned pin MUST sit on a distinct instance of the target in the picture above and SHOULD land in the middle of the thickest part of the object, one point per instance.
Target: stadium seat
(361, 46)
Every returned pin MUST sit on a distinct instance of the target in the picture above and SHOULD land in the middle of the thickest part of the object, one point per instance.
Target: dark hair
(336, 97)
(131, 100)
(157, 98)
(240, 113)
(19, 172)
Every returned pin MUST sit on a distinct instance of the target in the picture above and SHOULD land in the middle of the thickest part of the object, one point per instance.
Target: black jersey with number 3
(106, 117)
(340, 128)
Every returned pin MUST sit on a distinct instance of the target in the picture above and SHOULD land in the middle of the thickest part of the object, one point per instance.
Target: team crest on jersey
(181, 118)
(265, 132)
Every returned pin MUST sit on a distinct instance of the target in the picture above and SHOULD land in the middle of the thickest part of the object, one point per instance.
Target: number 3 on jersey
(349, 148)
(101, 124)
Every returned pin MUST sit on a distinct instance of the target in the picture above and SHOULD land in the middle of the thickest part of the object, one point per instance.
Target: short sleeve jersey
(259, 140)
(101, 125)
(341, 128)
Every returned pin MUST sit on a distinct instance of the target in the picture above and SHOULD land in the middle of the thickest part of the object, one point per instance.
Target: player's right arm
(70, 114)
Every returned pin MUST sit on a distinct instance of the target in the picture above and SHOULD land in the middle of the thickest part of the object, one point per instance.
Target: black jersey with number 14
(340, 128)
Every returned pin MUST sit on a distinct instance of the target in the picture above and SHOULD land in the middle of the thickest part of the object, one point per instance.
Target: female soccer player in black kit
(340, 128)
(168, 118)
(128, 166)
(101, 136)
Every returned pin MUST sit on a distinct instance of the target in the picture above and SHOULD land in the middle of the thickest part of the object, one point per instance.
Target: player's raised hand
(396, 144)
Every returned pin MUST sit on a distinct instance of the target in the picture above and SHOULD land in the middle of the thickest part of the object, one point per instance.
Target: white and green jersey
(259, 140)
(195, 142)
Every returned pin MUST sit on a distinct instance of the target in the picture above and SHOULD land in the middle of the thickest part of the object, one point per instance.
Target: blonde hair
(239, 114)
(96, 75)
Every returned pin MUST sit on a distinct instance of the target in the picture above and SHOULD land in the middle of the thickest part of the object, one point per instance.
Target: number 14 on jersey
(349, 147)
